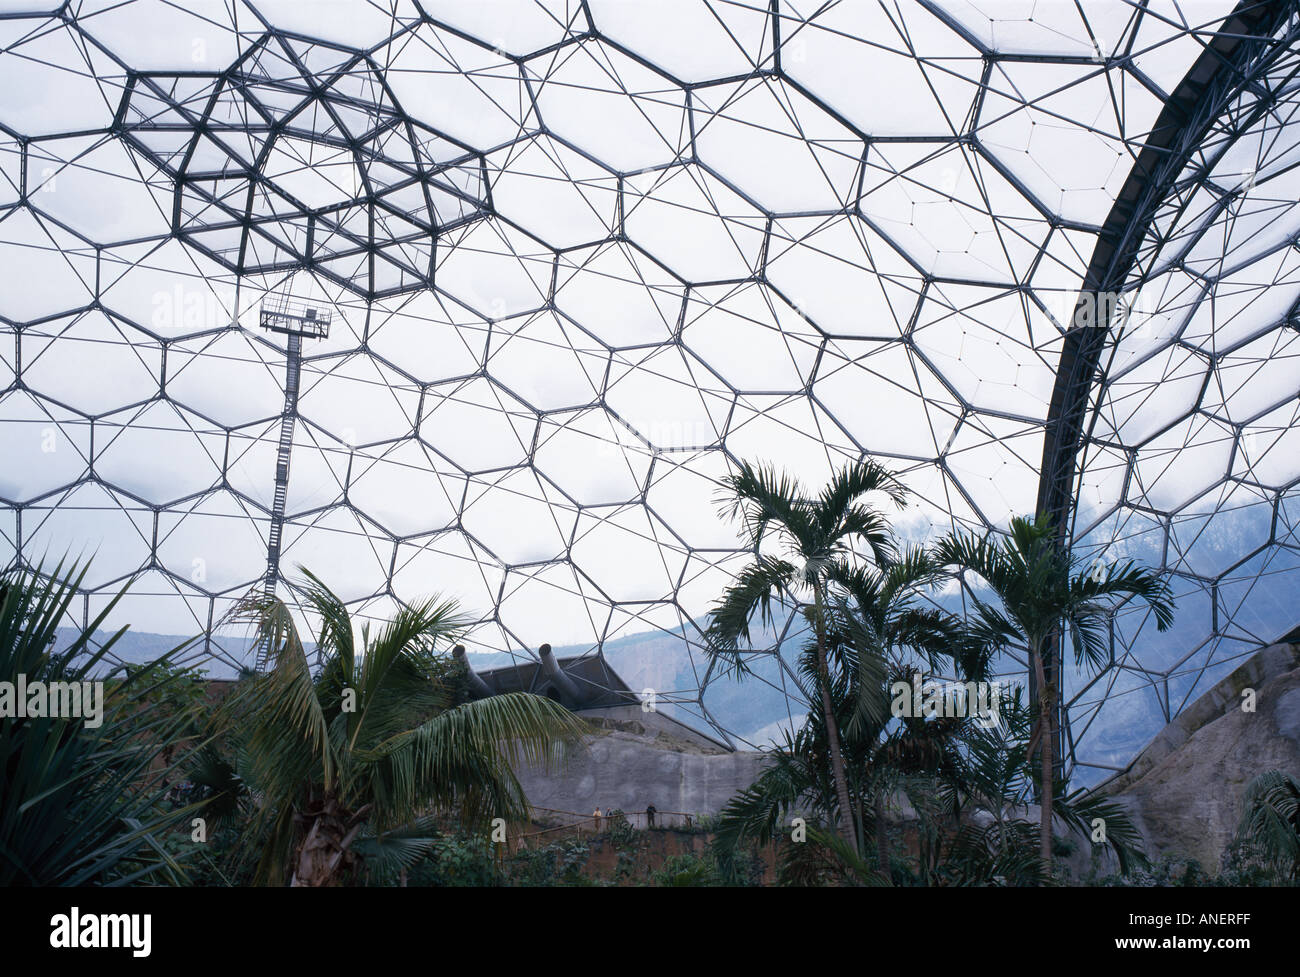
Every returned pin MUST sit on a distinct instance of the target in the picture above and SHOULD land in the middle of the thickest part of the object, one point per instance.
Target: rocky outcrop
(634, 759)
(1185, 789)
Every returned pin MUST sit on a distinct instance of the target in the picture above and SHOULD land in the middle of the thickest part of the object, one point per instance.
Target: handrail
(592, 823)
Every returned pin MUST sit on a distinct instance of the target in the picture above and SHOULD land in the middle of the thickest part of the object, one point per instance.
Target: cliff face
(1185, 789)
(635, 759)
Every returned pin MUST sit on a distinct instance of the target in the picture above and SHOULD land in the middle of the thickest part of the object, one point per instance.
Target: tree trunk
(882, 836)
(833, 731)
(1047, 708)
(325, 852)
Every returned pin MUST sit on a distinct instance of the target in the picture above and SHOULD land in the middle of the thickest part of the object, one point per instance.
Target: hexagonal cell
(154, 602)
(215, 544)
(170, 290)
(758, 710)
(547, 362)
(1256, 377)
(1268, 450)
(693, 224)
(318, 469)
(952, 213)
(340, 544)
(477, 425)
(1128, 716)
(226, 378)
(778, 147)
(428, 337)
(61, 84)
(158, 452)
(561, 197)
(669, 399)
(842, 52)
(646, 647)
(1161, 651)
(1181, 463)
(90, 363)
(642, 112)
(451, 565)
(996, 462)
(629, 552)
(1077, 171)
(922, 413)
(804, 438)
(178, 38)
(683, 494)
(406, 488)
(1146, 399)
(997, 351)
(751, 336)
(726, 39)
(495, 270)
(518, 518)
(358, 400)
(813, 262)
(92, 186)
(90, 523)
(37, 251)
(591, 457)
(458, 87)
(619, 295)
(551, 605)
(1220, 529)
(1246, 301)
(46, 446)
(1257, 598)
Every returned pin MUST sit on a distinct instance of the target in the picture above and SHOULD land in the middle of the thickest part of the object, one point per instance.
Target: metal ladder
(293, 369)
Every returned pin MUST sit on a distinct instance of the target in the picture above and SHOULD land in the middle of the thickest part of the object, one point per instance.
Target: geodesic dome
(579, 258)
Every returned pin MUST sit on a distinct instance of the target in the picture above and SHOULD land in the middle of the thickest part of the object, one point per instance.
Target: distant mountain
(752, 711)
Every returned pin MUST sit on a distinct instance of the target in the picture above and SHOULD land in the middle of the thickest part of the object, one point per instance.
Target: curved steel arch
(1231, 61)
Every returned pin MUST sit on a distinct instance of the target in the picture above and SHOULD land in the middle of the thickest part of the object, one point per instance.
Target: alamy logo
(97, 931)
(952, 700)
(53, 700)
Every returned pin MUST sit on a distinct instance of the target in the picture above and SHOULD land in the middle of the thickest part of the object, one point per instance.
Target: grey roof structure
(578, 257)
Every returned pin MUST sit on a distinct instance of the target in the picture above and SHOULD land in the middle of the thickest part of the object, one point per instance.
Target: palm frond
(754, 589)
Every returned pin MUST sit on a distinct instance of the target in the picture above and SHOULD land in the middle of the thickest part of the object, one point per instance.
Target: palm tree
(878, 617)
(1270, 821)
(815, 534)
(1043, 591)
(372, 744)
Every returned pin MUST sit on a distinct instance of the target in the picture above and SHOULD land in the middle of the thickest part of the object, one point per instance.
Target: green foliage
(620, 830)
(1041, 591)
(688, 869)
(84, 805)
(374, 740)
(457, 860)
(1269, 831)
(559, 863)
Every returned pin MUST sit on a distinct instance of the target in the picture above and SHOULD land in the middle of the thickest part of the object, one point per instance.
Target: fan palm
(814, 534)
(1044, 591)
(367, 747)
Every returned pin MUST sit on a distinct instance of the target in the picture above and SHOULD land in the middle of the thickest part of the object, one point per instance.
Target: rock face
(635, 759)
(1185, 789)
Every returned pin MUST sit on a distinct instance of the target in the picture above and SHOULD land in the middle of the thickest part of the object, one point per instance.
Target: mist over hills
(752, 711)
